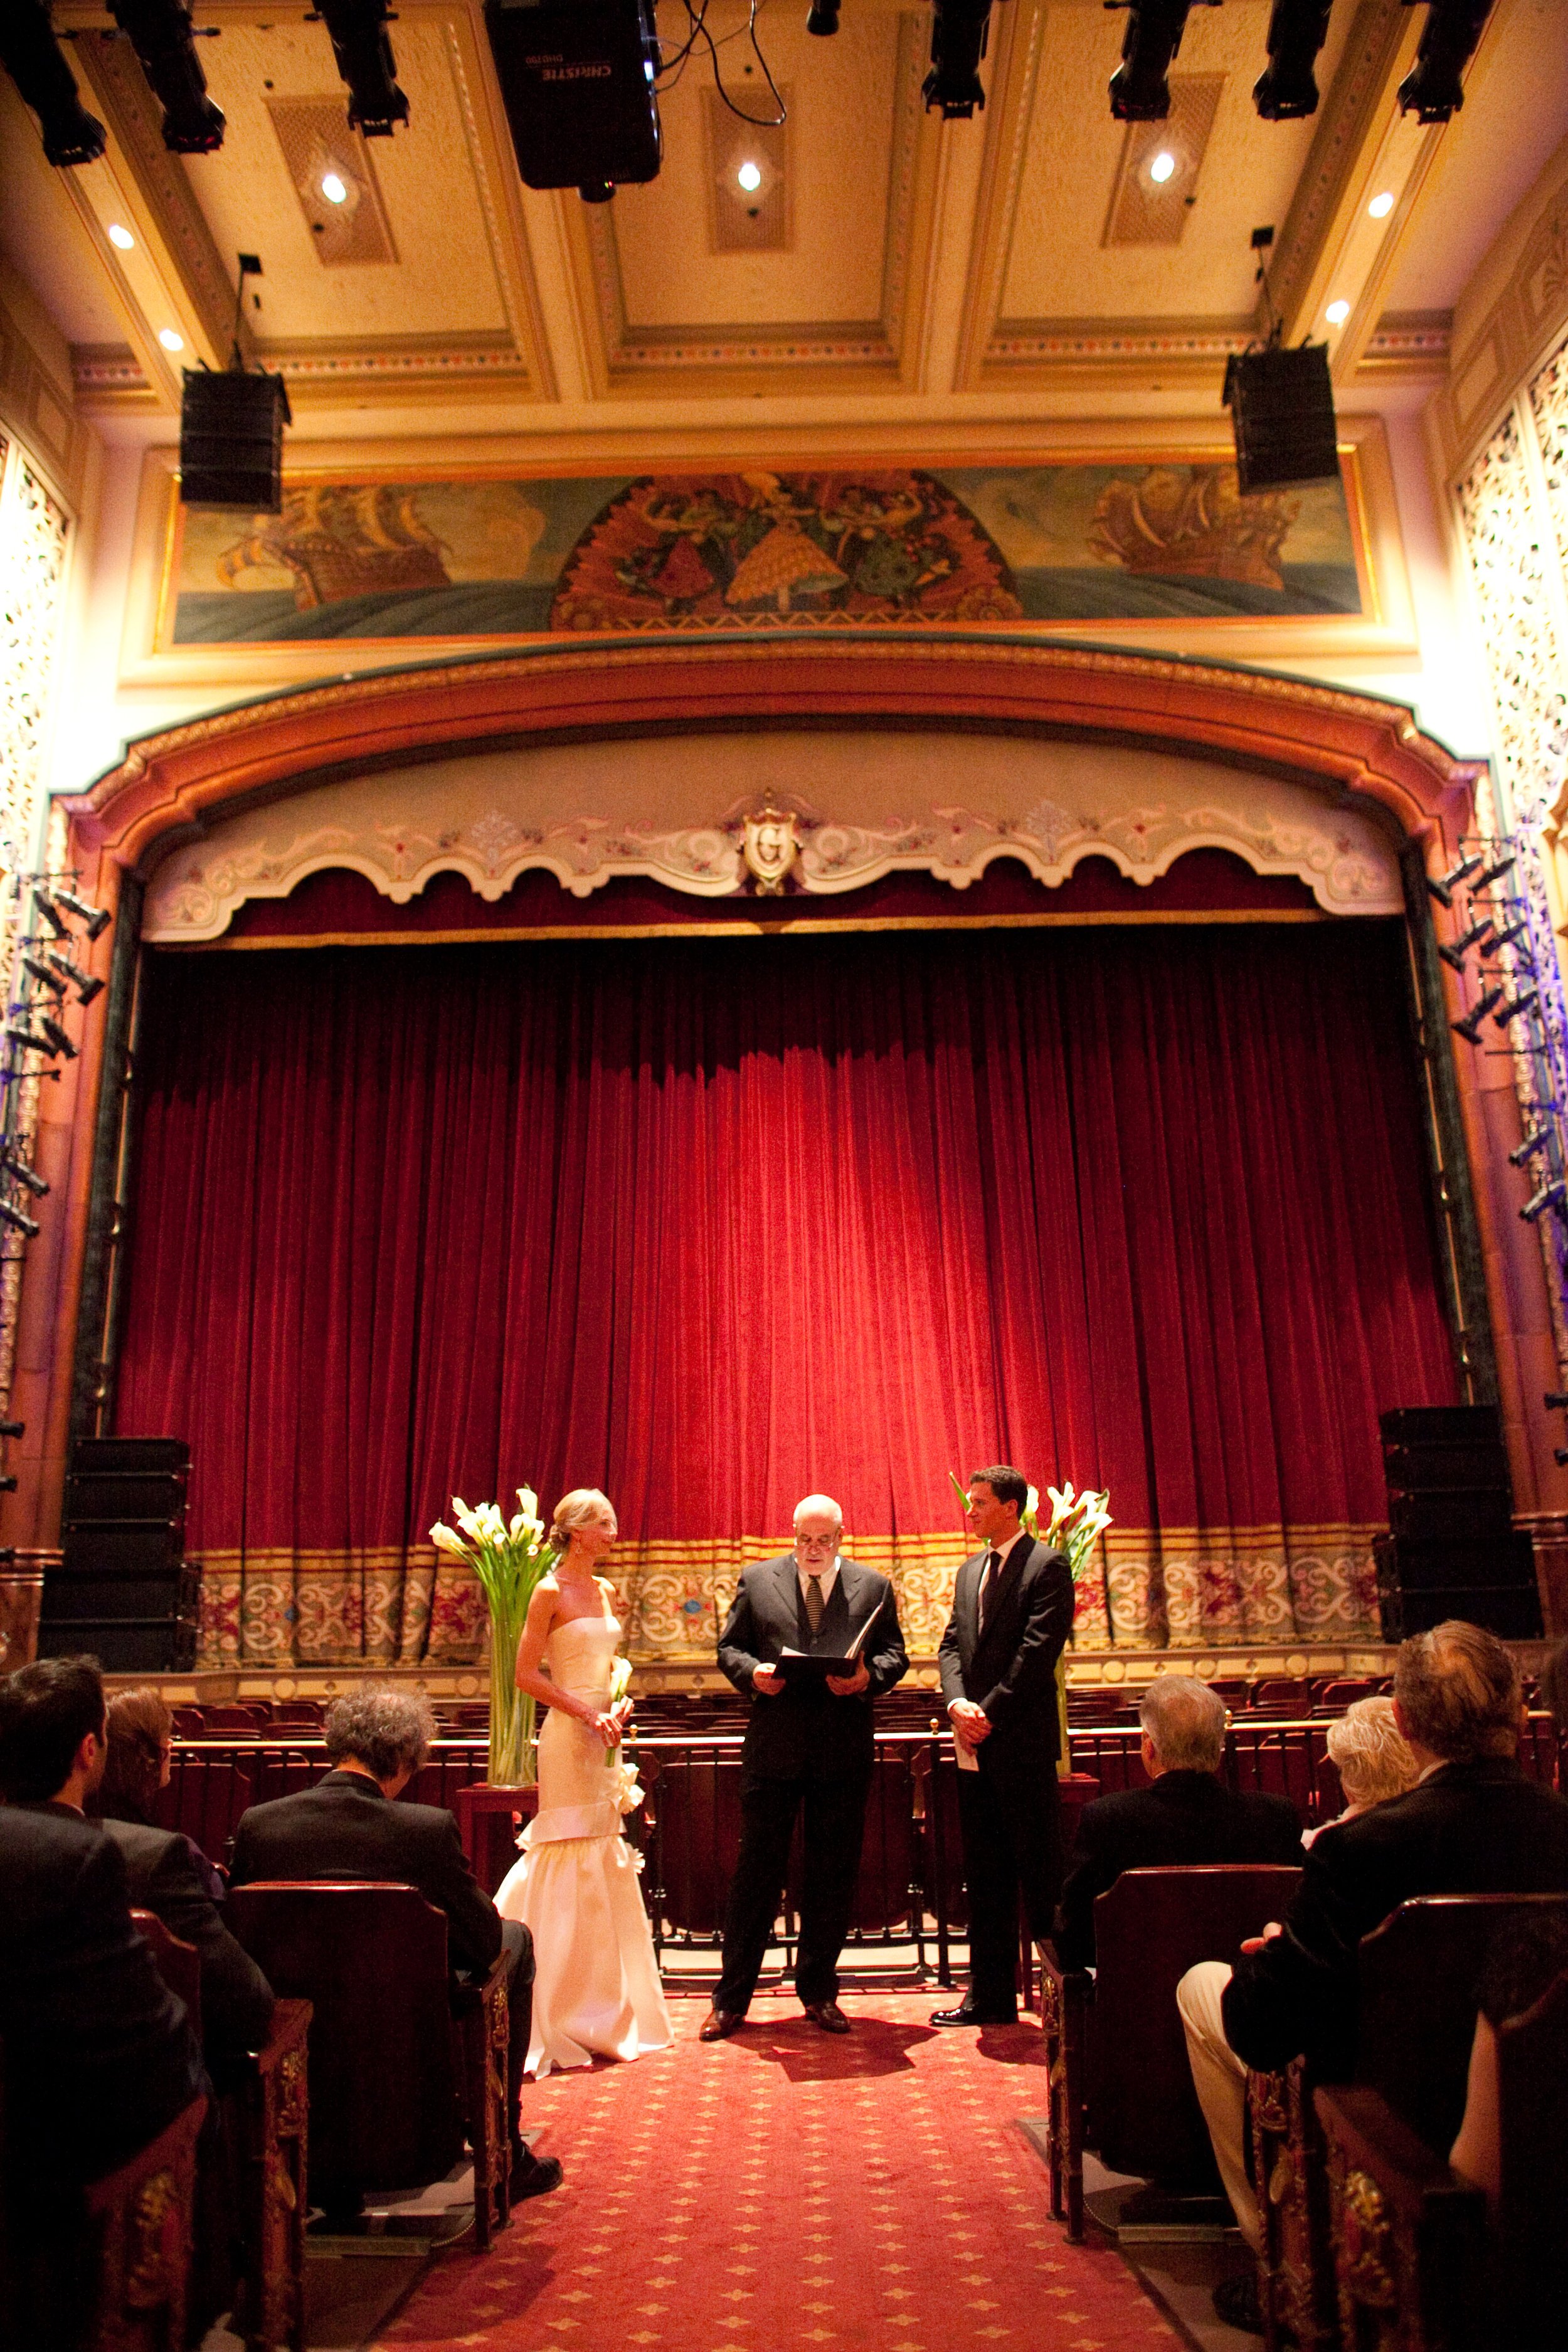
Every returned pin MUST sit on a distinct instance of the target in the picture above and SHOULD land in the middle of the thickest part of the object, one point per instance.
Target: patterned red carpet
(789, 2192)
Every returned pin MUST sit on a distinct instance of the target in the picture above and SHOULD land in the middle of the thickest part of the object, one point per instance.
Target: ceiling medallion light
(334, 187)
(1381, 206)
(170, 341)
(749, 176)
(120, 237)
(1163, 167)
(1337, 312)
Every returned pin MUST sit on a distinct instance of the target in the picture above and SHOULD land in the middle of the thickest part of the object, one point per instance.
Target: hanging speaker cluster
(1282, 411)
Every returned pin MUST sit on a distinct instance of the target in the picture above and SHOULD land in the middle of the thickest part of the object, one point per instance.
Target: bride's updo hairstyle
(576, 1510)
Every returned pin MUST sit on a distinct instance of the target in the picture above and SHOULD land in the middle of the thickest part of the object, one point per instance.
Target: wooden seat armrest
(290, 2023)
(468, 2000)
(1364, 2129)
(1081, 1980)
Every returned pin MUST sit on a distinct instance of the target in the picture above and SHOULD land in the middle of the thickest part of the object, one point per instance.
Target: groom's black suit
(1008, 1811)
(803, 1748)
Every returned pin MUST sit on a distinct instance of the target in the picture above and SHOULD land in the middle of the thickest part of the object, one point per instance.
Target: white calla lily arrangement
(510, 1556)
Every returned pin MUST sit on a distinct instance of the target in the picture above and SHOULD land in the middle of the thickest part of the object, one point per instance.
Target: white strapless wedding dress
(596, 1991)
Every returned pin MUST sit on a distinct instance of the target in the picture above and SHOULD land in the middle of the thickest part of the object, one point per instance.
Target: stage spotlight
(1458, 949)
(1530, 1147)
(1287, 89)
(59, 1042)
(32, 57)
(1552, 1195)
(1431, 90)
(160, 33)
(823, 18)
(94, 920)
(37, 1185)
(1526, 1000)
(1469, 1028)
(1443, 891)
(7, 1486)
(29, 1042)
(51, 914)
(1516, 930)
(87, 984)
(1496, 872)
(13, 1428)
(1141, 87)
(42, 973)
(1557, 1400)
(19, 1218)
(363, 47)
(1560, 1456)
(958, 35)
(577, 81)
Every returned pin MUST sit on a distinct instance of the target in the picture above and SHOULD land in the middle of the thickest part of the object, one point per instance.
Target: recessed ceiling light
(170, 340)
(1381, 206)
(750, 177)
(120, 237)
(1164, 167)
(335, 188)
(1337, 313)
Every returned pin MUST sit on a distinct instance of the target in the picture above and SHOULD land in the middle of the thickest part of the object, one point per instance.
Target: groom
(808, 1744)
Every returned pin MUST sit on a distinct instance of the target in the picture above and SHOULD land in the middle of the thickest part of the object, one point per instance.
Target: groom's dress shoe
(720, 2023)
(965, 2015)
(533, 2176)
(827, 2015)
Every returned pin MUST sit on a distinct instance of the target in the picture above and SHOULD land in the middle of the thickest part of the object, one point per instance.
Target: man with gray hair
(1185, 1815)
(809, 1749)
(350, 1825)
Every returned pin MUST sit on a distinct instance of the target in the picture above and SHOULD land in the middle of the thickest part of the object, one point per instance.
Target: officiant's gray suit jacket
(804, 1732)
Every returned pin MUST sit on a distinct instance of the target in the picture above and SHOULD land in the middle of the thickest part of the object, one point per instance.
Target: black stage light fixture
(1516, 930)
(19, 1218)
(58, 1041)
(1508, 1010)
(1458, 949)
(37, 1185)
(160, 33)
(32, 57)
(1431, 90)
(363, 47)
(43, 975)
(577, 81)
(1550, 1195)
(51, 914)
(1140, 87)
(958, 32)
(87, 984)
(1287, 89)
(1469, 1028)
(13, 1428)
(94, 920)
(1495, 873)
(1557, 1400)
(1443, 891)
(823, 18)
(1532, 1143)
(30, 1041)
(1281, 405)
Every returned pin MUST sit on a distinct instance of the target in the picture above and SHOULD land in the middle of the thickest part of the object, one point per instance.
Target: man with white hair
(808, 1746)
(1185, 1815)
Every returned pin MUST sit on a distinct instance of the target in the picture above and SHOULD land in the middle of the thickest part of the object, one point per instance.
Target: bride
(596, 1991)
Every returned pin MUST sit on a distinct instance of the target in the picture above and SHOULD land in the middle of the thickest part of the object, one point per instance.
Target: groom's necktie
(989, 1576)
(814, 1603)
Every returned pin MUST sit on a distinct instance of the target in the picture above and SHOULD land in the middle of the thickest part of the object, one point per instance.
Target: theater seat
(399, 2067)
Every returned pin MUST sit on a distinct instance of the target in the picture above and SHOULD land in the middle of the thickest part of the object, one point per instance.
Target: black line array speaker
(577, 81)
(231, 439)
(1452, 1549)
(1282, 409)
(123, 1592)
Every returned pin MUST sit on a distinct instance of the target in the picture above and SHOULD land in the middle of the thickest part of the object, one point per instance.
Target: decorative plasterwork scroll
(494, 818)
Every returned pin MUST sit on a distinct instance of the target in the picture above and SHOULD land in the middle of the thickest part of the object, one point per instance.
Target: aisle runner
(786, 2192)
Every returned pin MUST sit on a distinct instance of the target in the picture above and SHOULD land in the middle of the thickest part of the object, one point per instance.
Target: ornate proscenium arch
(1355, 750)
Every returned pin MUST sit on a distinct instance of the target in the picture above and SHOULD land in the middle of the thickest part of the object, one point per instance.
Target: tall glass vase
(511, 1762)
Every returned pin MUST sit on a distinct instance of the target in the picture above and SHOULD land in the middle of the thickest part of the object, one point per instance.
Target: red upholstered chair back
(372, 1958)
(1419, 1974)
(179, 1963)
(1150, 1928)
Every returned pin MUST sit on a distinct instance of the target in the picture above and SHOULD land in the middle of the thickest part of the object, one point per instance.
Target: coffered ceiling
(1026, 256)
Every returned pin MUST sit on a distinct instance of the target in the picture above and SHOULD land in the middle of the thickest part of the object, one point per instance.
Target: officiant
(813, 1640)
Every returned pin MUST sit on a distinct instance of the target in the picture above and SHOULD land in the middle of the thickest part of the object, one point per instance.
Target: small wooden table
(490, 1815)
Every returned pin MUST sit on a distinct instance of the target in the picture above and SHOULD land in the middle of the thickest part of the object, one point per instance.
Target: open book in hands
(809, 1665)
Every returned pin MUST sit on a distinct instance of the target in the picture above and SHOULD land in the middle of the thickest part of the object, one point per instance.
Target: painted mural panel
(482, 555)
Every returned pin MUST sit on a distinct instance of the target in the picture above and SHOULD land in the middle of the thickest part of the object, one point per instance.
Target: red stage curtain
(711, 1224)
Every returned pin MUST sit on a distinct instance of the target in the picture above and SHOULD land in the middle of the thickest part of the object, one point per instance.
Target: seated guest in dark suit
(1473, 1824)
(1187, 1816)
(349, 1826)
(165, 1874)
(98, 2056)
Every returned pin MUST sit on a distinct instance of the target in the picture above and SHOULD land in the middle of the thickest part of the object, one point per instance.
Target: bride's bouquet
(509, 1558)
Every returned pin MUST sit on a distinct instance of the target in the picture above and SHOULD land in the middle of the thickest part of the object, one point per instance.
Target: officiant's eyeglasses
(816, 1543)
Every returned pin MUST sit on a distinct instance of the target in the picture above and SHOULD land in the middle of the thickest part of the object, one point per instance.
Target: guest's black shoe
(965, 2015)
(1236, 2302)
(720, 2023)
(533, 2176)
(827, 2015)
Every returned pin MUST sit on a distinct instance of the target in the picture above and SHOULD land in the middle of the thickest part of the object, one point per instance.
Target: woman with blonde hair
(596, 1992)
(1372, 1759)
